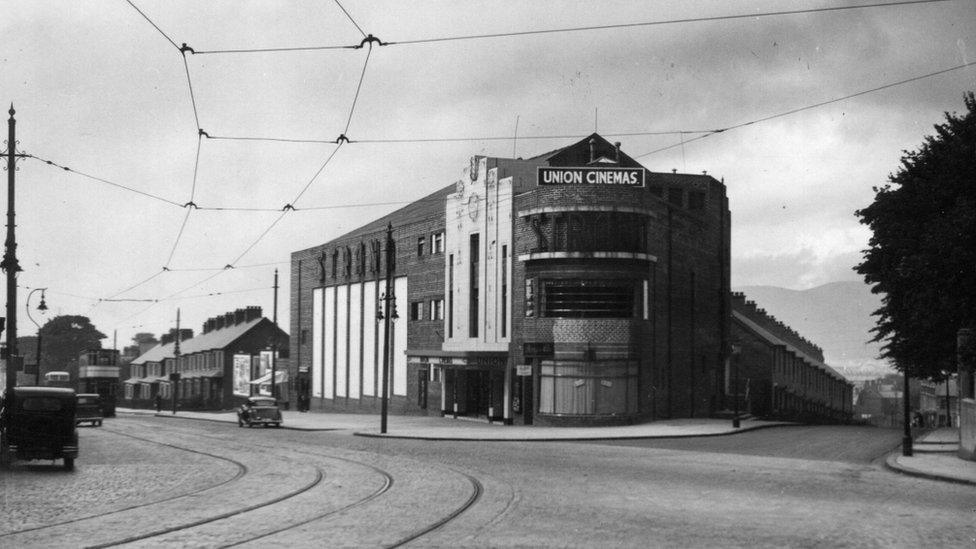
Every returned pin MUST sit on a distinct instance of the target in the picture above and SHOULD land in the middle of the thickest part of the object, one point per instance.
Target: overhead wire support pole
(274, 342)
(10, 264)
(387, 297)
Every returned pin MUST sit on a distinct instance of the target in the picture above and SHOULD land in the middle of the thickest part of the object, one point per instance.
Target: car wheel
(99, 423)
(69, 464)
(239, 422)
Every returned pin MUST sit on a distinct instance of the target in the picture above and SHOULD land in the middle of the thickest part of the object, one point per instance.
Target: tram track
(213, 528)
(241, 472)
(476, 493)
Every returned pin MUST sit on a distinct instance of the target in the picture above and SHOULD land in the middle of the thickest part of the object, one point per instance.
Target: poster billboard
(242, 375)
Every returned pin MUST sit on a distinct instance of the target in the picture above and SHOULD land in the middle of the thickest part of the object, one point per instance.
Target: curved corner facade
(571, 288)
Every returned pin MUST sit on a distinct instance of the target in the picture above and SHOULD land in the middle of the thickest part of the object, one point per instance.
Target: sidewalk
(447, 428)
(934, 453)
(934, 457)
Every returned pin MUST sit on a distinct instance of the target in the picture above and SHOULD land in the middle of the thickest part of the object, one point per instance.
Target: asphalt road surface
(163, 482)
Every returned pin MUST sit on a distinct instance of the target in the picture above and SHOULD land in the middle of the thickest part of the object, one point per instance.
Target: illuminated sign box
(622, 177)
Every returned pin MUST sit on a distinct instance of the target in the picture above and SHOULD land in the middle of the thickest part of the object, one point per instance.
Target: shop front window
(588, 388)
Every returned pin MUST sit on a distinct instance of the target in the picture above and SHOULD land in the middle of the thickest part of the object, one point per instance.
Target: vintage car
(89, 409)
(259, 410)
(39, 423)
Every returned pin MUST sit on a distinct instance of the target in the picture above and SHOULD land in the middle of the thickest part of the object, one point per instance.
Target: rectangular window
(437, 243)
(435, 374)
(436, 309)
(647, 306)
(474, 258)
(450, 296)
(529, 298)
(576, 298)
(504, 291)
(416, 310)
(420, 246)
(676, 196)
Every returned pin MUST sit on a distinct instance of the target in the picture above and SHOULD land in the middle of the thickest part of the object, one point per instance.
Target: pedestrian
(159, 403)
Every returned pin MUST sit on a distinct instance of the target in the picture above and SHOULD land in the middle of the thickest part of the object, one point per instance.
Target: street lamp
(42, 307)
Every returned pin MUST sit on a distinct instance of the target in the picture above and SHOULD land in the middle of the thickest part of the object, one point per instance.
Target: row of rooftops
(775, 326)
(218, 332)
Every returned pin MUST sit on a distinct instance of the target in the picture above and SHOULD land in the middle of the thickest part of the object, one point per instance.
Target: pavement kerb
(218, 420)
(891, 462)
(567, 439)
(366, 434)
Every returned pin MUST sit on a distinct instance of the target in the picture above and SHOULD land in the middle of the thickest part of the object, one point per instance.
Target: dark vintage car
(258, 410)
(89, 409)
(39, 423)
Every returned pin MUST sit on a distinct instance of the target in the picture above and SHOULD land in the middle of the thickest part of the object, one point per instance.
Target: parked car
(39, 423)
(258, 410)
(89, 409)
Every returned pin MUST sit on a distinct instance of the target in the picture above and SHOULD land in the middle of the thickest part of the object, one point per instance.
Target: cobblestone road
(152, 482)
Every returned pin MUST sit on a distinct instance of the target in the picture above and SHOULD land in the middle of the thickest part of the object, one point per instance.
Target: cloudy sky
(98, 89)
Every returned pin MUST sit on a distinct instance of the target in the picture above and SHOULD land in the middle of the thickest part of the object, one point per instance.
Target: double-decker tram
(98, 372)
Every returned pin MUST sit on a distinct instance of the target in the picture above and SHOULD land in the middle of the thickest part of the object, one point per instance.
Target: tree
(63, 340)
(922, 254)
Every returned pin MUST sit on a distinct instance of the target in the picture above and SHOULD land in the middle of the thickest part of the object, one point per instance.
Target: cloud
(797, 270)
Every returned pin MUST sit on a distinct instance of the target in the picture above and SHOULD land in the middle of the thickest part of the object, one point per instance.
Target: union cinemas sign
(622, 177)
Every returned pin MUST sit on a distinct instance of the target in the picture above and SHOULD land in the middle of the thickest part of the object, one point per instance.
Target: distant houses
(229, 360)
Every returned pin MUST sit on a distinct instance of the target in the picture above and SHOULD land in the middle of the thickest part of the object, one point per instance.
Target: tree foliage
(64, 338)
(922, 254)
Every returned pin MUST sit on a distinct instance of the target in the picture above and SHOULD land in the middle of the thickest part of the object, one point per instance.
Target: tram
(98, 372)
(58, 379)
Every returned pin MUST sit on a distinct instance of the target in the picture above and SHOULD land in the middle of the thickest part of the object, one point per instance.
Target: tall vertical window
(436, 309)
(474, 248)
(504, 291)
(420, 246)
(450, 295)
(437, 243)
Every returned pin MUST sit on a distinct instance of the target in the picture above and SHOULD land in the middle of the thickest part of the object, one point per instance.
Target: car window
(41, 404)
(87, 400)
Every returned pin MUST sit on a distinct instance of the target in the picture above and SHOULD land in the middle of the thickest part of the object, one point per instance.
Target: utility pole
(274, 343)
(906, 439)
(386, 314)
(9, 263)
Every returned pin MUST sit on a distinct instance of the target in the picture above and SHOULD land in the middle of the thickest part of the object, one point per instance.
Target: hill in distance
(835, 316)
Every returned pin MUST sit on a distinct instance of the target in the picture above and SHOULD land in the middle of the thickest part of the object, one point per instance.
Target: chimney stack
(616, 151)
(592, 149)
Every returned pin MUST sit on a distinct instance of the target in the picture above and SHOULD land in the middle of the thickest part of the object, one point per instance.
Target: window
(598, 388)
(420, 246)
(473, 255)
(450, 296)
(436, 309)
(435, 374)
(504, 291)
(416, 310)
(575, 298)
(529, 298)
(437, 243)
(676, 196)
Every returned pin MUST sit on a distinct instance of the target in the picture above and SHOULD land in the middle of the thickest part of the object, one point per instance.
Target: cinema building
(571, 288)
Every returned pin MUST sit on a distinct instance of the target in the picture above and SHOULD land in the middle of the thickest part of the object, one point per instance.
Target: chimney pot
(616, 151)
